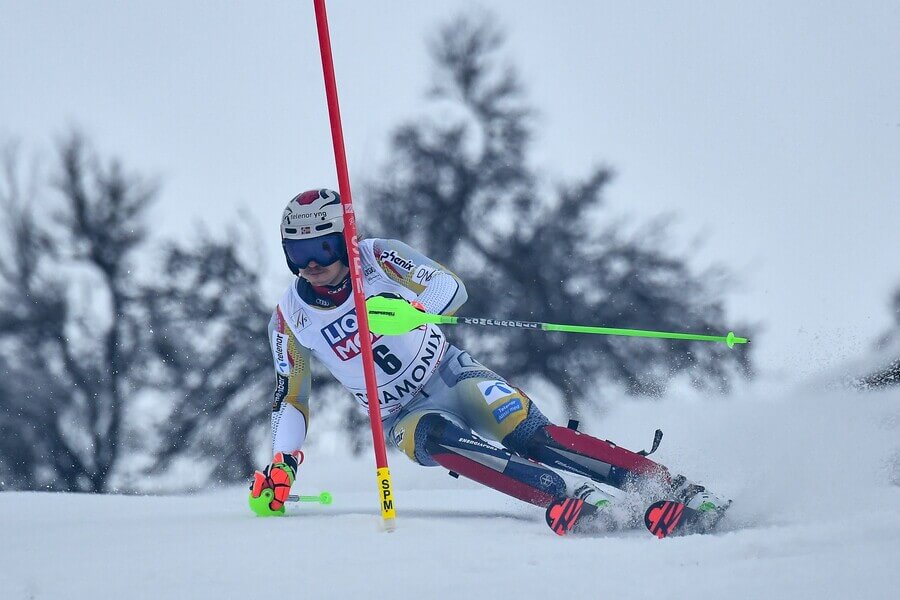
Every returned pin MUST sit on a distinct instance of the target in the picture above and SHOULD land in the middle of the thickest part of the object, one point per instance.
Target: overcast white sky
(771, 128)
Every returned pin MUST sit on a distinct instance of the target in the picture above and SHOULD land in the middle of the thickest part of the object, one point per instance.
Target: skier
(438, 404)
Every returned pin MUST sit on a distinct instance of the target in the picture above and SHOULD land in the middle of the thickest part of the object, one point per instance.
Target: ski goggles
(324, 250)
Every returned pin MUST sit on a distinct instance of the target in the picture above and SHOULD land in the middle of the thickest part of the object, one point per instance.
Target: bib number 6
(388, 362)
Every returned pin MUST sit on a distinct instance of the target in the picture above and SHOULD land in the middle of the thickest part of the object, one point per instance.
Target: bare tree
(208, 325)
(888, 350)
(82, 339)
(461, 188)
(70, 330)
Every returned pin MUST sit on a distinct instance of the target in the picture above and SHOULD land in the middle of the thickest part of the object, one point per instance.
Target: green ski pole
(391, 316)
(324, 498)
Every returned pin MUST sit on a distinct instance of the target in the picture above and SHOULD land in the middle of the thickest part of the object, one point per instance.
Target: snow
(814, 475)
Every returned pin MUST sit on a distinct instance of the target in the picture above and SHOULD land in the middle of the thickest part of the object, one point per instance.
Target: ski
(563, 514)
(663, 518)
(670, 518)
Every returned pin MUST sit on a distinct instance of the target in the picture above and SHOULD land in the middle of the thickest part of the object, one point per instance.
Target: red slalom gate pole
(385, 487)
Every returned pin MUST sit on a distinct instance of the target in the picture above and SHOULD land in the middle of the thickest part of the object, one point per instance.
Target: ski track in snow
(813, 476)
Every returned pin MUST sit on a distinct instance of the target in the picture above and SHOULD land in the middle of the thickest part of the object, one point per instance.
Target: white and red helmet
(312, 214)
(312, 227)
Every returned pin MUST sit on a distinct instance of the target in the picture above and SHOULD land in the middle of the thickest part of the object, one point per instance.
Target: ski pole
(324, 498)
(390, 316)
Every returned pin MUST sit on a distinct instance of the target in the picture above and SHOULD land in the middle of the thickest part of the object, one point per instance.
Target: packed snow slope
(814, 476)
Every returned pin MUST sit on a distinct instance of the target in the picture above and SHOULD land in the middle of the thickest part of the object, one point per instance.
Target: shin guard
(601, 460)
(462, 452)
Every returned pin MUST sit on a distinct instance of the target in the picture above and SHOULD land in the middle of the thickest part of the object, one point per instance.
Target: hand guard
(414, 303)
(272, 486)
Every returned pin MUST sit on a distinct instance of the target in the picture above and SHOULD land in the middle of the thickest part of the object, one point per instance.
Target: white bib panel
(403, 363)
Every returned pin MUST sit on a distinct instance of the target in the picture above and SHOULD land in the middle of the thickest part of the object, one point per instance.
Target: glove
(272, 486)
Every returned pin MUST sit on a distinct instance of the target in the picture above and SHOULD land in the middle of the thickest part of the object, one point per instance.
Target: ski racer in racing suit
(438, 404)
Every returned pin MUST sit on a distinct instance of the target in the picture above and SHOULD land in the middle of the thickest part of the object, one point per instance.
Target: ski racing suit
(438, 404)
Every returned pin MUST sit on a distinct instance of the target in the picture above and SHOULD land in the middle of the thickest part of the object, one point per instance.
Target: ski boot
(587, 508)
(697, 497)
(692, 509)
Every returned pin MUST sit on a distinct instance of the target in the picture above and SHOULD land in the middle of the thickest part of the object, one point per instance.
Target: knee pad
(411, 435)
(523, 435)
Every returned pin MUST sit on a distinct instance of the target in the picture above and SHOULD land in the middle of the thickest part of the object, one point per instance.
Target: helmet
(312, 226)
